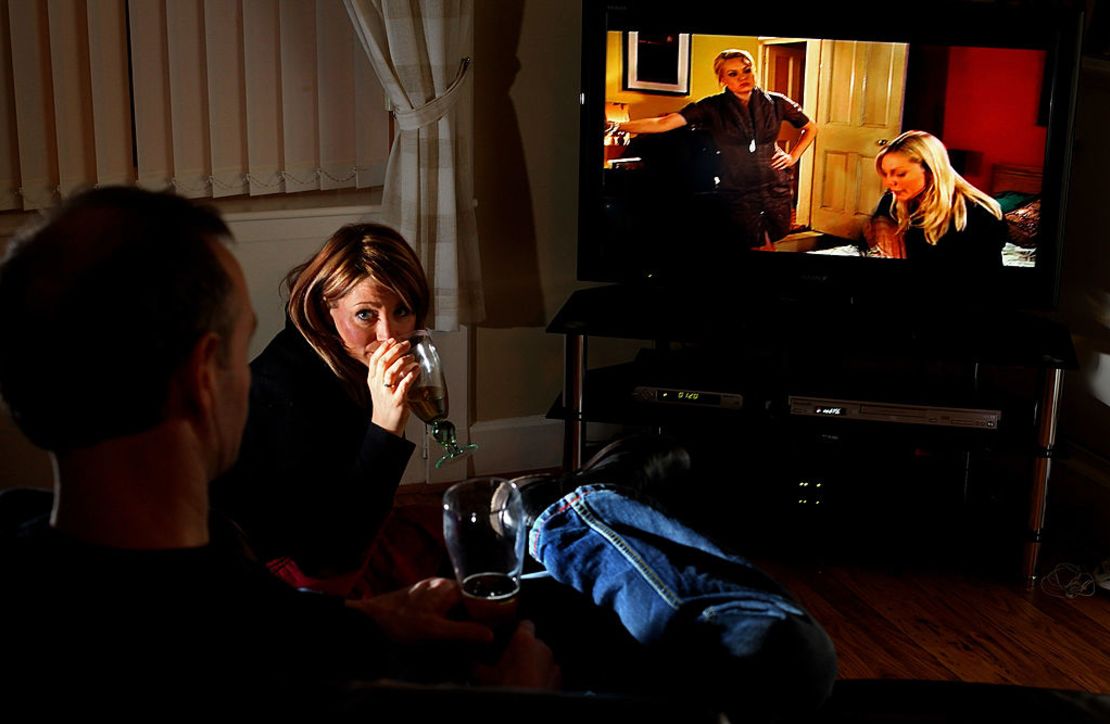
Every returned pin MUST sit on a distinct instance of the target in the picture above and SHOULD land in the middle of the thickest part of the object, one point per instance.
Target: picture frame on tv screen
(656, 62)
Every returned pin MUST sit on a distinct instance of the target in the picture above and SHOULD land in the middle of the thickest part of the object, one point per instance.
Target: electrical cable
(1068, 580)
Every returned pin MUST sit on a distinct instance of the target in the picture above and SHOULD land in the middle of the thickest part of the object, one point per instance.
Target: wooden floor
(941, 624)
(954, 626)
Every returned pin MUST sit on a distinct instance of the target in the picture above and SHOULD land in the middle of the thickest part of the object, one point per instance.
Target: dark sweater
(315, 478)
(975, 250)
(163, 632)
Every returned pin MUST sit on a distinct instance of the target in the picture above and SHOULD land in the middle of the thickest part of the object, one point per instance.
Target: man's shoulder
(202, 615)
(209, 588)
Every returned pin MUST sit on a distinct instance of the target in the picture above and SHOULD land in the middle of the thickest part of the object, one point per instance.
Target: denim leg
(723, 622)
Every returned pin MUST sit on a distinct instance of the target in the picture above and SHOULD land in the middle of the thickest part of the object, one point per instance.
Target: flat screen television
(994, 81)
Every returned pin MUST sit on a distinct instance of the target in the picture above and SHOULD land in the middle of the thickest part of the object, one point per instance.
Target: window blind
(207, 97)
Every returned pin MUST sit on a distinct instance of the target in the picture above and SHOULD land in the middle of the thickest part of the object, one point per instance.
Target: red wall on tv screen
(991, 106)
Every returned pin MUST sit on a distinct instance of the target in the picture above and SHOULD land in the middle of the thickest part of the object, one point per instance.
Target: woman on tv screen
(932, 214)
(755, 180)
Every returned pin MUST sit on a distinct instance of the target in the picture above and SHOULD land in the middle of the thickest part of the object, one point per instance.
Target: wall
(995, 88)
(526, 181)
(527, 59)
(703, 81)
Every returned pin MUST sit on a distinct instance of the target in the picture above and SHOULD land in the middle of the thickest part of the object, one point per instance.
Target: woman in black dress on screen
(930, 214)
(755, 181)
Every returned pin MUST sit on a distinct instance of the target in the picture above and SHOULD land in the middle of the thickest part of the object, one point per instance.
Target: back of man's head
(100, 306)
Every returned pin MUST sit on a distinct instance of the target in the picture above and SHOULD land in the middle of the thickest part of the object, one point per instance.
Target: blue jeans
(727, 629)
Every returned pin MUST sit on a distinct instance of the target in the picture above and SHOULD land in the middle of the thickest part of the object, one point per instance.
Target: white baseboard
(520, 444)
(505, 447)
(517, 444)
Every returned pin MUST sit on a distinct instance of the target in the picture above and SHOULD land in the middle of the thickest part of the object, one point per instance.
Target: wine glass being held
(428, 398)
(390, 373)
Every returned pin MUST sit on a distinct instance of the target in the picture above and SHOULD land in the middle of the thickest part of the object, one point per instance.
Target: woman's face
(370, 313)
(905, 178)
(737, 76)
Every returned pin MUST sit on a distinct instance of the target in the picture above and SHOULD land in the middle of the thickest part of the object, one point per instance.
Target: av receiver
(848, 409)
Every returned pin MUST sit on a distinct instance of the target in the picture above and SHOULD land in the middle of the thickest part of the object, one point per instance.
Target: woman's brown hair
(352, 254)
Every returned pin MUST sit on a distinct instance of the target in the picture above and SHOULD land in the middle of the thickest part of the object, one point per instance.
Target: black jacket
(315, 478)
(975, 250)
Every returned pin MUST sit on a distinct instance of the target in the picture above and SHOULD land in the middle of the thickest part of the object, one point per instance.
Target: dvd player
(845, 409)
(683, 396)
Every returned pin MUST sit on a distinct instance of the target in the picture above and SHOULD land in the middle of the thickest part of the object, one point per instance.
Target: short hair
(943, 202)
(353, 253)
(100, 304)
(731, 54)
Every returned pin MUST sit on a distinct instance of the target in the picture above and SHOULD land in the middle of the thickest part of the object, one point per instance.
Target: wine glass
(427, 397)
(483, 527)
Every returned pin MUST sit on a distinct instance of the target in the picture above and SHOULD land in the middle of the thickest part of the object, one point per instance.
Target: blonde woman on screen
(930, 213)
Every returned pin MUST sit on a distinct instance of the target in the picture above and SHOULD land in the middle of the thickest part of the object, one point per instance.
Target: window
(209, 97)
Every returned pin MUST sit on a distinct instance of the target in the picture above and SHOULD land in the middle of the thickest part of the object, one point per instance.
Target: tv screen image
(679, 202)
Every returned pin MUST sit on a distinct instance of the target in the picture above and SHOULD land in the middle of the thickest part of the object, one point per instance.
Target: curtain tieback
(434, 109)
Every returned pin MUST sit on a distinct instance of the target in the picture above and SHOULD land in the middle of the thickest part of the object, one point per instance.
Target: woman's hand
(781, 160)
(390, 373)
(884, 240)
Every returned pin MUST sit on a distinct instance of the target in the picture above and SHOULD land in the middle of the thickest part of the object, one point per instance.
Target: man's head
(122, 309)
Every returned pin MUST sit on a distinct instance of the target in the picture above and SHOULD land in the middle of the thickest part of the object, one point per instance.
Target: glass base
(444, 433)
(456, 452)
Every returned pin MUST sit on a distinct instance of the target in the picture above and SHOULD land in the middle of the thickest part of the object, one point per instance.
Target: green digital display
(689, 396)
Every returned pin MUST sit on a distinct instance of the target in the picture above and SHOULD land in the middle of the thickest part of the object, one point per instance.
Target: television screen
(810, 175)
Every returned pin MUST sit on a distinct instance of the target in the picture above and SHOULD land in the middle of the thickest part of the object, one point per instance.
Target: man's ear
(200, 376)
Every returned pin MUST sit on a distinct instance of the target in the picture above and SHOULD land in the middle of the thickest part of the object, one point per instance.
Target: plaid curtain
(419, 50)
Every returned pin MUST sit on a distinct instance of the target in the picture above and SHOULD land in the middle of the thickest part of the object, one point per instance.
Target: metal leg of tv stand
(1046, 445)
(574, 381)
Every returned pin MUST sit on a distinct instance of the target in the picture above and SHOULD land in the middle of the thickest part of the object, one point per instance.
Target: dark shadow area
(506, 222)
(1080, 509)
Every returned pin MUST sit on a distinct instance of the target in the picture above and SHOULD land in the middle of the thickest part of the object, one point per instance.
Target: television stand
(902, 362)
